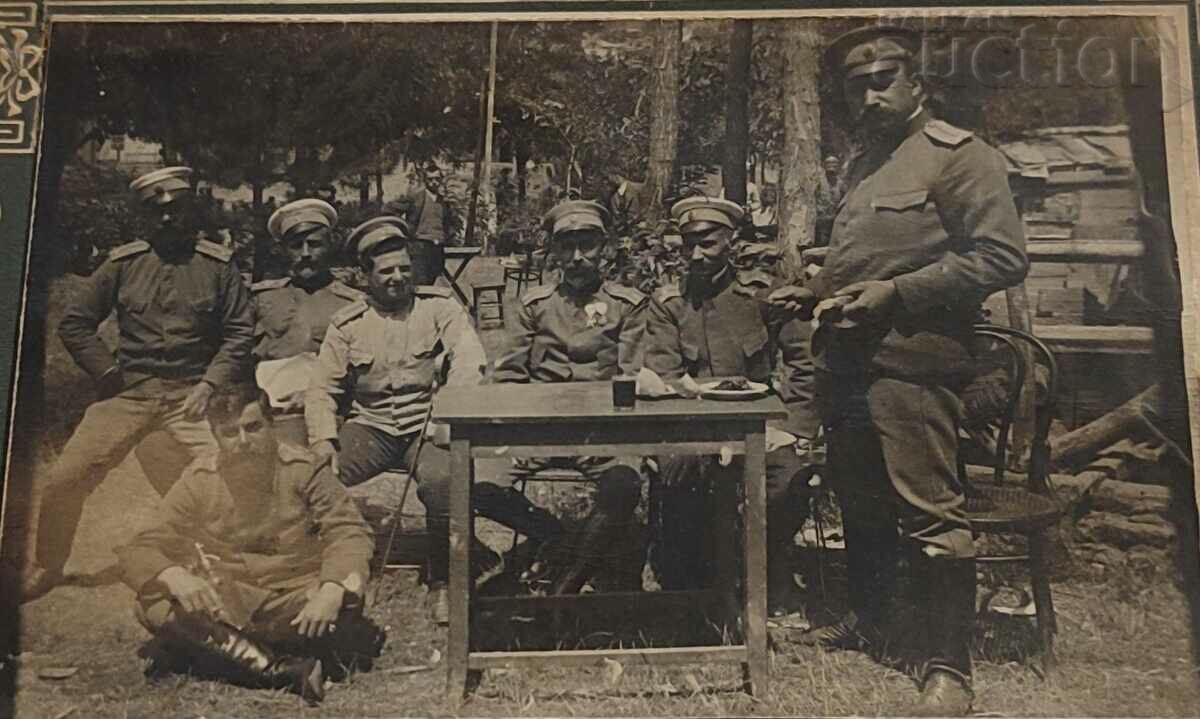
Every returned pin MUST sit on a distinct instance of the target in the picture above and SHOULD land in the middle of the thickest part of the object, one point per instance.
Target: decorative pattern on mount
(22, 62)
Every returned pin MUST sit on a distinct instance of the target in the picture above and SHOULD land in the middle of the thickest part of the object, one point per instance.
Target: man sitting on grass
(255, 568)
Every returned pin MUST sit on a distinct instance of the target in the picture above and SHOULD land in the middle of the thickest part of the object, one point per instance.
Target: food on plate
(733, 384)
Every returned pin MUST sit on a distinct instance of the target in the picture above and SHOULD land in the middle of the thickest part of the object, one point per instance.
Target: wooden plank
(757, 673)
(1103, 340)
(652, 656)
(584, 403)
(485, 451)
(600, 601)
(606, 439)
(1084, 250)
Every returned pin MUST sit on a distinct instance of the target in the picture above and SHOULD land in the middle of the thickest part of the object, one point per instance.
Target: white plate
(708, 390)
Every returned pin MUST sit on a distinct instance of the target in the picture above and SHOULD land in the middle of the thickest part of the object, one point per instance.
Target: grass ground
(1123, 651)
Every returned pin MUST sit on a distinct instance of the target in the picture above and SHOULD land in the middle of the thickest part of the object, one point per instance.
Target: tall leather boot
(353, 646)
(242, 659)
(949, 621)
(872, 557)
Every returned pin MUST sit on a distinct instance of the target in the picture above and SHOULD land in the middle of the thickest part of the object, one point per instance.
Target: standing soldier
(716, 325)
(388, 353)
(926, 230)
(185, 328)
(583, 329)
(292, 313)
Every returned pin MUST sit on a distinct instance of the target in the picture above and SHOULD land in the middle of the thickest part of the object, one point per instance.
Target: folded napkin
(286, 380)
(650, 385)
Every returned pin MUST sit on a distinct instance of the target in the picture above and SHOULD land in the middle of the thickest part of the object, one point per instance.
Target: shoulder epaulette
(946, 134)
(432, 291)
(289, 453)
(348, 313)
(220, 253)
(537, 294)
(627, 294)
(345, 291)
(273, 284)
(668, 292)
(129, 249)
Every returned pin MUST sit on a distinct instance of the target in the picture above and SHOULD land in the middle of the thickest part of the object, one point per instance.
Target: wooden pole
(487, 127)
(474, 203)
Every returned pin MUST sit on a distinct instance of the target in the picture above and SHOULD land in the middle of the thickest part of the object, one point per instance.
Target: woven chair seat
(1010, 509)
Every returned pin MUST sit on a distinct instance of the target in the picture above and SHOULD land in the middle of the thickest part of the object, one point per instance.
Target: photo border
(1176, 20)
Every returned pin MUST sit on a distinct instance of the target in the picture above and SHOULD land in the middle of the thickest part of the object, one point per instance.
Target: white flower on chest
(596, 313)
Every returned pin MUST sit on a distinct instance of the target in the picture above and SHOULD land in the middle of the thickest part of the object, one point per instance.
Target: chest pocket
(908, 206)
(202, 308)
(133, 299)
(756, 350)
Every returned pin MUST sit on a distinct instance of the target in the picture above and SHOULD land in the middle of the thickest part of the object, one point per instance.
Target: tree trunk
(737, 112)
(379, 187)
(664, 109)
(364, 190)
(1082, 444)
(801, 168)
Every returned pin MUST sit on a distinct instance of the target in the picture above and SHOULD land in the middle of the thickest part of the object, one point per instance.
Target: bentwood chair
(1009, 364)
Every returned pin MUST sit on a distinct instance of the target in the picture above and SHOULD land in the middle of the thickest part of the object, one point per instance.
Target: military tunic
(289, 320)
(389, 365)
(731, 334)
(934, 215)
(295, 529)
(182, 318)
(563, 340)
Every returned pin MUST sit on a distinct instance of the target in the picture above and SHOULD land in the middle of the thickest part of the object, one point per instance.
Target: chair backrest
(1009, 363)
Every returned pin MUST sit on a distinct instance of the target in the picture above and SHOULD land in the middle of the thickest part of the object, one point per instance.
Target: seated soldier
(291, 314)
(583, 329)
(386, 352)
(255, 568)
(717, 325)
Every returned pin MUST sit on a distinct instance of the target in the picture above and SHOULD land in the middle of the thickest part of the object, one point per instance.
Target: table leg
(462, 530)
(755, 542)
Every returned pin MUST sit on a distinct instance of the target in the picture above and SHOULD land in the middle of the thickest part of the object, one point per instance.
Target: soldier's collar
(917, 121)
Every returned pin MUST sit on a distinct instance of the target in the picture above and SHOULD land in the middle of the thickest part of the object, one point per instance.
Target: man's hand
(320, 612)
(193, 593)
(871, 301)
(197, 401)
(325, 448)
(793, 300)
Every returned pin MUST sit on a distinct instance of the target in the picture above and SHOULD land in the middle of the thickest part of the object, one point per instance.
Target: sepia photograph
(553, 362)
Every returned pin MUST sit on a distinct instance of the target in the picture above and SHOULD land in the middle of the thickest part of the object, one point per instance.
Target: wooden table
(578, 419)
(464, 255)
